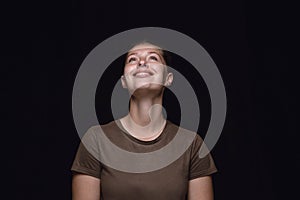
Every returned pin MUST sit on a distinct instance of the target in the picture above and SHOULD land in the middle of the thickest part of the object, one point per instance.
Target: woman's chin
(147, 89)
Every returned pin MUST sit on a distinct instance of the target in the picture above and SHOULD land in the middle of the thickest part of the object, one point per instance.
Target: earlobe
(169, 79)
(123, 81)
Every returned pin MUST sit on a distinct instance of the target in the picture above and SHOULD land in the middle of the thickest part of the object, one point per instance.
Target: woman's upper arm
(201, 189)
(85, 187)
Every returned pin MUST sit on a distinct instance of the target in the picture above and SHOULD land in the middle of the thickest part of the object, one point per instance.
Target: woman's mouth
(142, 74)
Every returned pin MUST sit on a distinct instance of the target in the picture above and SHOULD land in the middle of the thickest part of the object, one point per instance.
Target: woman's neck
(145, 120)
(146, 111)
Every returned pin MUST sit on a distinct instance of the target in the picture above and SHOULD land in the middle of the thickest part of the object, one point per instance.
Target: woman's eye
(131, 59)
(153, 58)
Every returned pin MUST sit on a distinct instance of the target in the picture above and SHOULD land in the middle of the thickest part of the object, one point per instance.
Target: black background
(253, 44)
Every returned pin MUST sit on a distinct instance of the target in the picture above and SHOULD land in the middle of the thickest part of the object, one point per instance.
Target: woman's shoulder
(100, 127)
(183, 131)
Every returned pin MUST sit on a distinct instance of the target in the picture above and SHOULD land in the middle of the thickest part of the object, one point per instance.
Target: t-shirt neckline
(134, 139)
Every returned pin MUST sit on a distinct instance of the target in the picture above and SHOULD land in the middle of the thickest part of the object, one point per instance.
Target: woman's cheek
(126, 70)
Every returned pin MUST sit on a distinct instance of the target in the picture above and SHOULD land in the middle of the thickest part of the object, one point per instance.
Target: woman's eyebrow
(135, 53)
(154, 52)
(132, 53)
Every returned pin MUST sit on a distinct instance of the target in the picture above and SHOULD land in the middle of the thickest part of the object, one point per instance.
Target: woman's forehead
(145, 46)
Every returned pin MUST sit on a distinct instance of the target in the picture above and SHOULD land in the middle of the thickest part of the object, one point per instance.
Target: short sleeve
(85, 162)
(200, 167)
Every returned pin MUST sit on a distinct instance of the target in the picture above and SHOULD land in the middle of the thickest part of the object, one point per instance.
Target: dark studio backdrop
(252, 43)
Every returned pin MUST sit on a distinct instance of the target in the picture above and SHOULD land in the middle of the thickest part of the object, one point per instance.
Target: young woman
(143, 130)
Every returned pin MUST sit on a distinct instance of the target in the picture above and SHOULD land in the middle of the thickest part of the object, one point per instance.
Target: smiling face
(145, 69)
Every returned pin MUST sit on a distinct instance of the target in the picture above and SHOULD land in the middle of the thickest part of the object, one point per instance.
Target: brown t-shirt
(168, 182)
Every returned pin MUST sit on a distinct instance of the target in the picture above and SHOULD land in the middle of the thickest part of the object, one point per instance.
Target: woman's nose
(142, 63)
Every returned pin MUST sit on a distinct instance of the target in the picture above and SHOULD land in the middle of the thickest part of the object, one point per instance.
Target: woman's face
(145, 68)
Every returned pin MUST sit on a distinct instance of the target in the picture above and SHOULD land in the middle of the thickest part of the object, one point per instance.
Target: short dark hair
(167, 57)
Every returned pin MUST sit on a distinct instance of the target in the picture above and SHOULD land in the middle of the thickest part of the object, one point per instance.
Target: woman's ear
(123, 81)
(169, 79)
